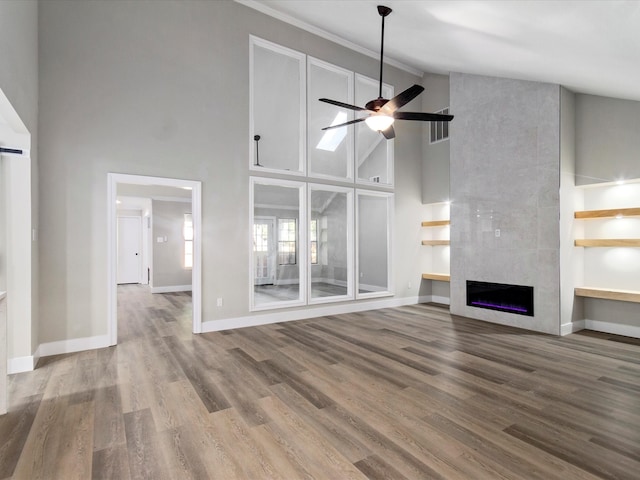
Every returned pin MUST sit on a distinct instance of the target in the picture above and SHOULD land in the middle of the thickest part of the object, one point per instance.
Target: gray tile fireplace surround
(505, 177)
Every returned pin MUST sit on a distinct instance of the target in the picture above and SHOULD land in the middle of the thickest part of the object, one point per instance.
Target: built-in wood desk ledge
(609, 294)
(607, 242)
(441, 277)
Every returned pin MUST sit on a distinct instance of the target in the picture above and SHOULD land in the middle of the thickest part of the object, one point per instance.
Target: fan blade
(422, 117)
(346, 123)
(402, 99)
(389, 133)
(343, 105)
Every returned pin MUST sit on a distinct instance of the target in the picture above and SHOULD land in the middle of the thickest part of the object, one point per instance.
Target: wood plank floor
(402, 393)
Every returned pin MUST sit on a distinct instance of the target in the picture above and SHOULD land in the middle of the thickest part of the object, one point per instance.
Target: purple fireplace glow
(516, 299)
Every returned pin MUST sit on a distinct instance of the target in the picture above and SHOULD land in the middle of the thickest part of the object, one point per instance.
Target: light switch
(159, 239)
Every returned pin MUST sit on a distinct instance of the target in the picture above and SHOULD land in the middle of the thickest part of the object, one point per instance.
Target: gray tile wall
(505, 174)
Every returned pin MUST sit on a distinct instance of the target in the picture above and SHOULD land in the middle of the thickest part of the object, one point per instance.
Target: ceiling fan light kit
(379, 122)
(383, 112)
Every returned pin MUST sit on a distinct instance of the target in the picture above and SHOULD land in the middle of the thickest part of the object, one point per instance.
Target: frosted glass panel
(374, 154)
(278, 109)
(330, 151)
(330, 244)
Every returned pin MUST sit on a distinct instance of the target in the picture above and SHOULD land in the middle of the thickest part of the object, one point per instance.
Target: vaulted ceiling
(589, 46)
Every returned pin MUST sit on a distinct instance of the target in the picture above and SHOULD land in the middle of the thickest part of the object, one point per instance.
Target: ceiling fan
(383, 112)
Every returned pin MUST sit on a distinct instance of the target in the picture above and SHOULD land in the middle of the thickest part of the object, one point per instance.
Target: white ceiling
(589, 46)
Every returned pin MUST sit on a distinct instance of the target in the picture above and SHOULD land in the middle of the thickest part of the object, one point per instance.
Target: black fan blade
(343, 105)
(389, 133)
(402, 99)
(346, 123)
(422, 117)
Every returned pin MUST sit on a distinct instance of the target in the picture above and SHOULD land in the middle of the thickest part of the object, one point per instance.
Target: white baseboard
(615, 328)
(307, 312)
(171, 289)
(572, 327)
(21, 364)
(73, 345)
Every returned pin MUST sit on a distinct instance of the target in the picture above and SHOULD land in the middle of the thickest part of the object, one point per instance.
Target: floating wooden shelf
(435, 242)
(625, 212)
(609, 294)
(608, 242)
(441, 277)
(436, 223)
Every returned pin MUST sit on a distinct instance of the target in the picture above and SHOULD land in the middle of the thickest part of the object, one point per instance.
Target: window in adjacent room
(187, 233)
(287, 235)
(313, 239)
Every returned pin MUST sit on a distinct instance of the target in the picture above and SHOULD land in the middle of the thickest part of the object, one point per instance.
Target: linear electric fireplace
(499, 296)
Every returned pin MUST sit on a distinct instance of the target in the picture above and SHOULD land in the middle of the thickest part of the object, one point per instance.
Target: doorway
(114, 180)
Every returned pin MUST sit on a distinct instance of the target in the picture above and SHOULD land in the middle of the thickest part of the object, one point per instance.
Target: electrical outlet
(497, 232)
(409, 285)
(219, 302)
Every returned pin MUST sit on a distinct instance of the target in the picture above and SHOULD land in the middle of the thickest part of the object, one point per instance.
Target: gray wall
(607, 140)
(161, 89)
(19, 58)
(505, 170)
(435, 161)
(168, 257)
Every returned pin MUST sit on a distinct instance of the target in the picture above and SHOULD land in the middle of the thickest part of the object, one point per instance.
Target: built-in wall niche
(278, 107)
(374, 211)
(330, 152)
(374, 154)
(278, 252)
(330, 243)
(609, 228)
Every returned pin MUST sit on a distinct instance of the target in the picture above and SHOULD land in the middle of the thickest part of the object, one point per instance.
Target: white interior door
(129, 250)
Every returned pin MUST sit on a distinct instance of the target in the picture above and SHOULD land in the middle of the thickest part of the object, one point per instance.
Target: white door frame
(15, 136)
(113, 179)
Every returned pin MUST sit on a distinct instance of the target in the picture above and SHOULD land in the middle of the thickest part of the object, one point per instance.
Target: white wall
(161, 89)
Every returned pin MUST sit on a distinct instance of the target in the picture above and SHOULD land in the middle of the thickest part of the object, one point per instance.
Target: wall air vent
(440, 130)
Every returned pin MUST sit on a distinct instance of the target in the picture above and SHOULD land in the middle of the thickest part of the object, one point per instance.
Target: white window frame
(390, 222)
(302, 147)
(350, 227)
(389, 143)
(314, 62)
(302, 242)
